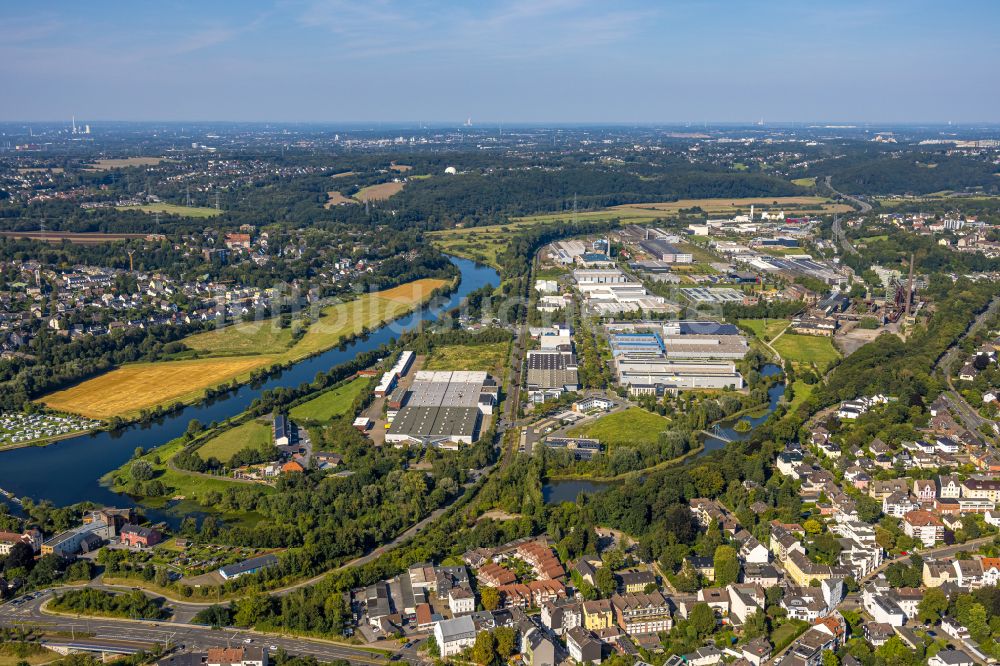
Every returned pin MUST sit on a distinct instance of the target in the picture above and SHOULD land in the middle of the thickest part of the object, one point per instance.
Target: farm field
(131, 388)
(490, 358)
(330, 404)
(122, 163)
(804, 182)
(84, 237)
(378, 192)
(368, 311)
(127, 390)
(253, 433)
(484, 244)
(250, 337)
(343, 174)
(174, 209)
(628, 428)
(641, 212)
(765, 329)
(336, 199)
(807, 349)
(401, 168)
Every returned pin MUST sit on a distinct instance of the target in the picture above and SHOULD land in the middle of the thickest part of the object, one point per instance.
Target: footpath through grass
(631, 427)
(807, 349)
(765, 329)
(254, 433)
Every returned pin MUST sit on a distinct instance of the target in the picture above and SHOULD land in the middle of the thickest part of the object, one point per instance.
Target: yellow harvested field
(106, 165)
(412, 292)
(343, 174)
(336, 199)
(401, 168)
(378, 192)
(129, 389)
(368, 311)
(237, 351)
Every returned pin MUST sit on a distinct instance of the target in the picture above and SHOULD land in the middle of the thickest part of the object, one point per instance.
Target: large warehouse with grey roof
(443, 409)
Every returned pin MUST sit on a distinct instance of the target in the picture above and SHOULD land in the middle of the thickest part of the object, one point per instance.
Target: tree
(756, 625)
(812, 526)
(727, 566)
(702, 619)
(894, 652)
(142, 470)
(830, 658)
(485, 649)
(21, 556)
(604, 579)
(251, 610)
(490, 597)
(506, 641)
(932, 606)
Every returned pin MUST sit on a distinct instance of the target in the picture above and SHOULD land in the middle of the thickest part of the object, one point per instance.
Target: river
(568, 489)
(68, 471)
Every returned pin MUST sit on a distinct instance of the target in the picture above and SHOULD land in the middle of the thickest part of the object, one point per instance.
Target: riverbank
(74, 466)
(137, 391)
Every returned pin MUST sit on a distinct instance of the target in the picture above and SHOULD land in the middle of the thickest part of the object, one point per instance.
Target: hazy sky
(517, 61)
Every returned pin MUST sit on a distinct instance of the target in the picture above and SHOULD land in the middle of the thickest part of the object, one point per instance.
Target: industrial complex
(441, 409)
(656, 357)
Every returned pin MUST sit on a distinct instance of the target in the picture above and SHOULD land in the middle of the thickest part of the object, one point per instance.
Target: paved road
(969, 416)
(838, 229)
(193, 637)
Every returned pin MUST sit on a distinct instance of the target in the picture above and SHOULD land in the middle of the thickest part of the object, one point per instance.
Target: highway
(192, 637)
(838, 229)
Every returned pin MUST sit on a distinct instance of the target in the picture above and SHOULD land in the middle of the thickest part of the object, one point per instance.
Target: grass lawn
(630, 427)
(174, 209)
(786, 633)
(765, 329)
(807, 349)
(183, 484)
(127, 390)
(332, 403)
(801, 392)
(490, 358)
(31, 653)
(252, 433)
(241, 348)
(804, 182)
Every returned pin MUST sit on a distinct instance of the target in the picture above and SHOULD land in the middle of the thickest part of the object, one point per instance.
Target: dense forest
(908, 172)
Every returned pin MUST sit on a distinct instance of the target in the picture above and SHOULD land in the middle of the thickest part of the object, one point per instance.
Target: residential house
(136, 536)
(642, 613)
(455, 635)
(950, 658)
(923, 526)
(949, 487)
(634, 582)
(597, 614)
(924, 490)
(583, 646)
